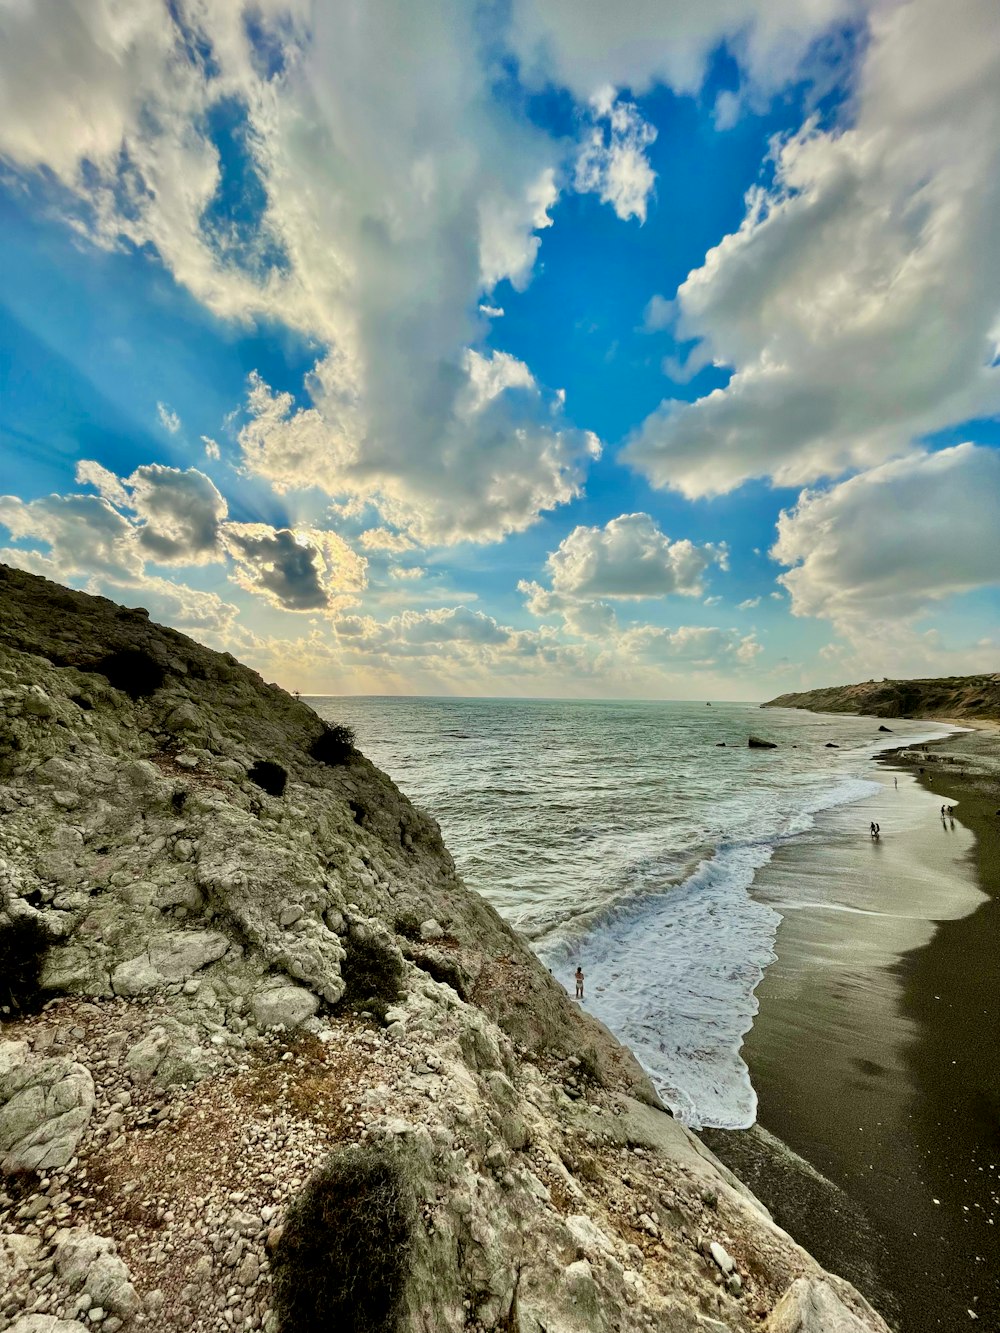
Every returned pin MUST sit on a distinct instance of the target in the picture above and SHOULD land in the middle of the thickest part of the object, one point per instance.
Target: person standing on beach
(578, 976)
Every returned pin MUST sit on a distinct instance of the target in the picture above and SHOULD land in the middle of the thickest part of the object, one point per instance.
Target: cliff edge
(951, 697)
(244, 991)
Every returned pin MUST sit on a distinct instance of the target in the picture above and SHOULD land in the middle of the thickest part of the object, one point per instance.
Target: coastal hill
(968, 697)
(267, 1064)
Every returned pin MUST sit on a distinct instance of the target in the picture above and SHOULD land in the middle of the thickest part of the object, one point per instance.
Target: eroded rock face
(811, 1305)
(196, 1064)
(172, 956)
(85, 1262)
(283, 1006)
(18, 1255)
(44, 1108)
(169, 1053)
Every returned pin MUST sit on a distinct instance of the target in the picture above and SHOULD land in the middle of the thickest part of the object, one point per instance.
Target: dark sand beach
(876, 1051)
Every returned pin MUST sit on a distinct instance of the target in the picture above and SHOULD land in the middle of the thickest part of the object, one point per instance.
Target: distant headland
(960, 697)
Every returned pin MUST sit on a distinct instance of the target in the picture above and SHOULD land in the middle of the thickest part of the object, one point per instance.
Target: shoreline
(909, 1064)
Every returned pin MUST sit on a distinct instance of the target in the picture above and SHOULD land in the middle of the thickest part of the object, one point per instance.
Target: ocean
(624, 837)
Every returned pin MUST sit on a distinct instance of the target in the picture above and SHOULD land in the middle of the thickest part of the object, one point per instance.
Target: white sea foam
(622, 836)
(674, 976)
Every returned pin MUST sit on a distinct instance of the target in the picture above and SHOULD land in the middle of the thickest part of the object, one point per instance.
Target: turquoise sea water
(622, 836)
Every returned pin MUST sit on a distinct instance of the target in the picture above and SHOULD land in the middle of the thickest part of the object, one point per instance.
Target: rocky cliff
(226, 963)
(968, 697)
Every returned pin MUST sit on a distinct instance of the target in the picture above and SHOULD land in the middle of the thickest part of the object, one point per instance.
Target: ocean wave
(624, 837)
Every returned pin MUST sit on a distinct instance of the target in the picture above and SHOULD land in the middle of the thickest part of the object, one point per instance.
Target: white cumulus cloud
(169, 516)
(396, 191)
(629, 558)
(612, 162)
(383, 539)
(295, 570)
(491, 468)
(587, 46)
(180, 513)
(84, 534)
(890, 543)
(859, 301)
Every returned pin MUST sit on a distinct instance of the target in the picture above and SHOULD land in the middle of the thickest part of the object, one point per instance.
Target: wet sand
(876, 1051)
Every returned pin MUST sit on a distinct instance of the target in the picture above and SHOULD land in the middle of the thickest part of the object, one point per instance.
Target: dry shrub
(334, 745)
(271, 777)
(343, 1258)
(24, 942)
(373, 976)
(132, 671)
(407, 924)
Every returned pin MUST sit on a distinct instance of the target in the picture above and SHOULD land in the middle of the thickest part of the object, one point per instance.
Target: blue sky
(510, 348)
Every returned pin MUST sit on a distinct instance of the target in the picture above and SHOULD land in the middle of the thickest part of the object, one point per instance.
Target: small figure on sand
(578, 977)
(895, 783)
(874, 830)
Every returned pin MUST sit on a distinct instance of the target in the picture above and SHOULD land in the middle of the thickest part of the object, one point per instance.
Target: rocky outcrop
(756, 743)
(86, 1265)
(812, 1306)
(235, 983)
(969, 697)
(44, 1109)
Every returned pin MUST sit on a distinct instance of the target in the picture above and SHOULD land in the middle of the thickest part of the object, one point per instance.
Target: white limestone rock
(170, 1053)
(587, 1234)
(18, 1255)
(172, 956)
(177, 955)
(46, 1323)
(74, 968)
(87, 1262)
(136, 976)
(283, 1006)
(810, 1305)
(44, 1108)
(722, 1257)
(36, 703)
